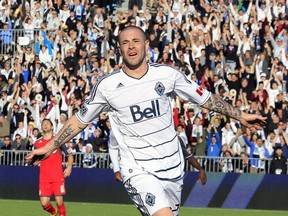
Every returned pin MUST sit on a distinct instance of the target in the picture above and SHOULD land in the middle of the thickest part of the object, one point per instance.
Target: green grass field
(33, 208)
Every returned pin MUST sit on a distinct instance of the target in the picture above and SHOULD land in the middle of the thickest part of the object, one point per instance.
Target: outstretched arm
(71, 128)
(252, 121)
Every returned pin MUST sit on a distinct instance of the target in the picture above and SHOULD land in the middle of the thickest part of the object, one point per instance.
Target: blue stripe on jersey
(156, 65)
(169, 179)
(165, 170)
(168, 126)
(159, 65)
(158, 158)
(153, 146)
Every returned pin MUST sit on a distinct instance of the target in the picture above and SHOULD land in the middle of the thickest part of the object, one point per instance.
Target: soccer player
(138, 100)
(51, 181)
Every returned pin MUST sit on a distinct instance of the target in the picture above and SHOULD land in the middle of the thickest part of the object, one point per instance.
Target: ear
(147, 45)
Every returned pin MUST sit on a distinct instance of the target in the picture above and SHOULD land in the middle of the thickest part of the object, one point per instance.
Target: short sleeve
(190, 90)
(93, 106)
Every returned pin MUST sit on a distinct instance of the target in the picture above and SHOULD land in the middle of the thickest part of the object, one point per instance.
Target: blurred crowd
(237, 49)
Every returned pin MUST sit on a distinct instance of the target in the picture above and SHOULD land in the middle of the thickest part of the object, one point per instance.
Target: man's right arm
(71, 128)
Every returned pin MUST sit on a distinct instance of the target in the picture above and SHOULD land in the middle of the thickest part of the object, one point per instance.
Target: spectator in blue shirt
(281, 141)
(259, 152)
(214, 147)
(6, 34)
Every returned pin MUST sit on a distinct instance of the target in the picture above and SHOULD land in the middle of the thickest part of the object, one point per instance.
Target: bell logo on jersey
(148, 112)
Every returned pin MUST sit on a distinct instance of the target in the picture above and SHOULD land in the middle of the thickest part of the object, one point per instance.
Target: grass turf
(32, 208)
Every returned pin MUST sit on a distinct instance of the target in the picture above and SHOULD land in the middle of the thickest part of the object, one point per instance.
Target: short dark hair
(133, 27)
(18, 135)
(46, 119)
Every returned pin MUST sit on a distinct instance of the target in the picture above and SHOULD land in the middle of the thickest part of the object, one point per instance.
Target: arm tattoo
(216, 104)
(66, 133)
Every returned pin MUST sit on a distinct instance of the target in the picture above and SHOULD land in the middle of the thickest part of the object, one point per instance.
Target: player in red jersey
(51, 181)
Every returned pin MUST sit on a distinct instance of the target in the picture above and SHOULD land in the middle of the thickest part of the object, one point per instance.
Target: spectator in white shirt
(181, 133)
(64, 13)
(54, 22)
(44, 56)
(22, 128)
(227, 133)
(28, 26)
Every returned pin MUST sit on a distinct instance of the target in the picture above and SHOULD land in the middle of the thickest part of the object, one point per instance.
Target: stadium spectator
(97, 140)
(259, 152)
(62, 120)
(279, 163)
(5, 34)
(197, 131)
(226, 163)
(89, 159)
(201, 145)
(51, 177)
(281, 141)
(182, 135)
(243, 165)
(18, 145)
(227, 133)
(22, 127)
(237, 143)
(5, 124)
(6, 156)
(16, 117)
(89, 130)
(214, 147)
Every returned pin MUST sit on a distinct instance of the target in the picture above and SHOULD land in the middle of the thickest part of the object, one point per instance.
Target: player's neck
(47, 135)
(138, 72)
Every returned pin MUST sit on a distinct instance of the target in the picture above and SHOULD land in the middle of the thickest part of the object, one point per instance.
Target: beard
(46, 131)
(133, 66)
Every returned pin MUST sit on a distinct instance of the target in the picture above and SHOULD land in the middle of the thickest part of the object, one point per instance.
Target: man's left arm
(192, 92)
(252, 121)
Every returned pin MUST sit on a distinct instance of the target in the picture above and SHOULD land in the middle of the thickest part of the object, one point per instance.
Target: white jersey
(142, 120)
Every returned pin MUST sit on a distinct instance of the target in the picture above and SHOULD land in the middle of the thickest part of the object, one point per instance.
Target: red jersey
(50, 169)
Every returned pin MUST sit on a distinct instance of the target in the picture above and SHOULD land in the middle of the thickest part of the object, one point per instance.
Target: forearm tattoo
(66, 133)
(216, 104)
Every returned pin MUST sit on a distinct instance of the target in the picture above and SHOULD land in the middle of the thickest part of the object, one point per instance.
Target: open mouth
(132, 54)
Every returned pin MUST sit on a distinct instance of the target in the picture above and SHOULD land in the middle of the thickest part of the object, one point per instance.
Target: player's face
(133, 47)
(46, 126)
